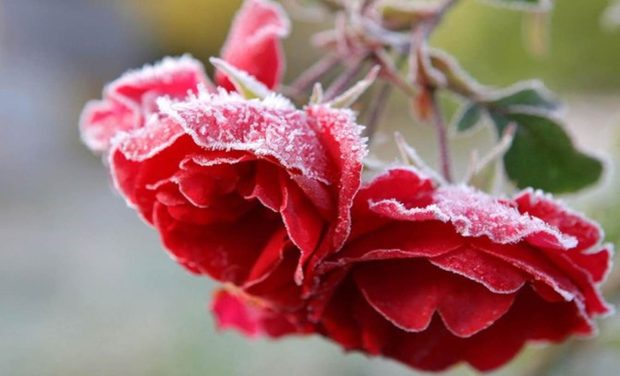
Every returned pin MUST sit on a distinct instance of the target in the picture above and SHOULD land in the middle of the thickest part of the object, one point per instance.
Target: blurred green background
(85, 287)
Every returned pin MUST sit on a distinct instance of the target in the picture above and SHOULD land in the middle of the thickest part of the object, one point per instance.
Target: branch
(442, 137)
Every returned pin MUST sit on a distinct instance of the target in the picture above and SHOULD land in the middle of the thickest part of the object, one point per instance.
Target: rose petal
(253, 43)
(408, 292)
(130, 100)
(495, 275)
(216, 249)
(266, 186)
(269, 258)
(535, 203)
(301, 219)
(530, 318)
(401, 240)
(135, 179)
(530, 260)
(340, 134)
(248, 317)
(597, 264)
(271, 129)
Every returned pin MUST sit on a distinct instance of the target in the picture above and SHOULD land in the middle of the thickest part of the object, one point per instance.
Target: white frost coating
(161, 70)
(271, 127)
(97, 135)
(476, 214)
(534, 196)
(144, 143)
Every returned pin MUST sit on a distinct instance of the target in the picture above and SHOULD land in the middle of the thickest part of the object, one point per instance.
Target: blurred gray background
(85, 287)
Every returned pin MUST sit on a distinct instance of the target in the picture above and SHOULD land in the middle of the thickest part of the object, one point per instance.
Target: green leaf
(543, 156)
(524, 4)
(245, 84)
(524, 94)
(467, 117)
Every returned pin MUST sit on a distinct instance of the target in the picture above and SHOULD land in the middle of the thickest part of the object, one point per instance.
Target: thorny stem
(344, 79)
(312, 74)
(377, 106)
(442, 136)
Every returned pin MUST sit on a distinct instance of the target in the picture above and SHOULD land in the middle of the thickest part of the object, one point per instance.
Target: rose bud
(433, 276)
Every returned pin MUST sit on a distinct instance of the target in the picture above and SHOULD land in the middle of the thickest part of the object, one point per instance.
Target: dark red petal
(587, 232)
(277, 286)
(266, 185)
(137, 180)
(408, 292)
(253, 43)
(341, 136)
(530, 318)
(248, 317)
(303, 223)
(434, 349)
(533, 262)
(208, 186)
(401, 240)
(337, 319)
(597, 264)
(269, 258)
(217, 249)
(594, 302)
(496, 275)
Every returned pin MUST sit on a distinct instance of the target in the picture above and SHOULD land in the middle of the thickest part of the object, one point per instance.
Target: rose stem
(340, 83)
(377, 106)
(442, 136)
(312, 74)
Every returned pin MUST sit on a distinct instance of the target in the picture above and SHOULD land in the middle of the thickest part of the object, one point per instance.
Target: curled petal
(270, 128)
(473, 214)
(539, 205)
(337, 130)
(129, 101)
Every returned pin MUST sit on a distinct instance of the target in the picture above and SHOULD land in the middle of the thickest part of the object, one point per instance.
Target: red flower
(437, 275)
(243, 190)
(253, 46)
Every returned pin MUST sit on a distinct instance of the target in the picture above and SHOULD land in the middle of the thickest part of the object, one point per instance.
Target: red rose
(437, 275)
(243, 190)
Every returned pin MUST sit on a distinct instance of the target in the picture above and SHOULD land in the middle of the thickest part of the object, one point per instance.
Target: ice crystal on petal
(271, 127)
